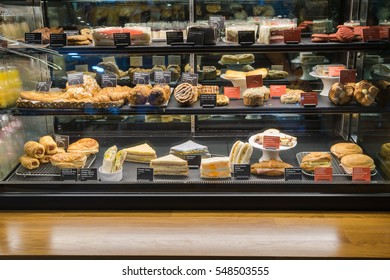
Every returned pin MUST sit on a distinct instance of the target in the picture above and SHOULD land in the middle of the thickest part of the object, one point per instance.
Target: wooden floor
(195, 234)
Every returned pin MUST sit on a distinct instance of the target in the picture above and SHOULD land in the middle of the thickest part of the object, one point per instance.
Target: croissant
(29, 162)
(34, 149)
(49, 144)
(101, 98)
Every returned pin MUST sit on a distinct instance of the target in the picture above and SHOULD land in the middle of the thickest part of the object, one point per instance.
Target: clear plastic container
(231, 31)
(140, 35)
(271, 30)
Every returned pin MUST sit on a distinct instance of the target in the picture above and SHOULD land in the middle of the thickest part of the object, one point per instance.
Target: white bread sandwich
(169, 165)
(141, 153)
(190, 148)
(240, 153)
(215, 168)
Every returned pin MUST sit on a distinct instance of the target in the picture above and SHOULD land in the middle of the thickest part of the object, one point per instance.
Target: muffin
(139, 94)
(253, 97)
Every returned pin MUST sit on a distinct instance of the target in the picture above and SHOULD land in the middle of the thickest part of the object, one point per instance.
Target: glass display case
(236, 126)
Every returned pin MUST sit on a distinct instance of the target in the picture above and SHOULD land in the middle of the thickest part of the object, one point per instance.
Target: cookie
(222, 100)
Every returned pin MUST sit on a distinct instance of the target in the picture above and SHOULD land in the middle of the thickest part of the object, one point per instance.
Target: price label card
(196, 37)
(348, 76)
(174, 59)
(217, 21)
(44, 86)
(271, 142)
(75, 79)
(309, 99)
(208, 100)
(136, 61)
(323, 174)
(246, 37)
(122, 39)
(69, 174)
(144, 174)
(141, 78)
(241, 171)
(33, 38)
(293, 174)
(292, 36)
(371, 35)
(334, 71)
(62, 141)
(191, 78)
(232, 92)
(361, 174)
(158, 60)
(58, 40)
(109, 80)
(193, 161)
(254, 81)
(88, 174)
(71, 32)
(276, 91)
(174, 37)
(162, 77)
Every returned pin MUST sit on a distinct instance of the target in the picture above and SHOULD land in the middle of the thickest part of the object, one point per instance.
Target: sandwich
(316, 159)
(240, 153)
(270, 167)
(342, 149)
(215, 168)
(285, 139)
(348, 162)
(169, 165)
(109, 159)
(190, 148)
(141, 153)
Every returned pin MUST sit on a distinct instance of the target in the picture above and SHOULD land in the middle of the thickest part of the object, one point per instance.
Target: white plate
(260, 146)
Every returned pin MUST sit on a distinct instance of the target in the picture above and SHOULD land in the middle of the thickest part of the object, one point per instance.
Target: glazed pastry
(186, 94)
(87, 146)
(222, 100)
(139, 94)
(69, 160)
(49, 144)
(365, 93)
(34, 149)
(89, 85)
(232, 74)
(260, 71)
(29, 162)
(340, 94)
(343, 149)
(159, 95)
(208, 89)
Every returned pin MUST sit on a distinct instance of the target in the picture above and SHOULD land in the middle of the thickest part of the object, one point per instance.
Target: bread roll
(49, 144)
(365, 93)
(342, 149)
(385, 151)
(34, 149)
(232, 74)
(316, 159)
(348, 162)
(29, 162)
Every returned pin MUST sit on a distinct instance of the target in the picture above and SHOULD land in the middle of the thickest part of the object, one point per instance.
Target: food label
(174, 59)
(136, 61)
(232, 92)
(174, 37)
(293, 174)
(271, 142)
(370, 34)
(241, 171)
(69, 174)
(217, 22)
(323, 174)
(44, 86)
(193, 161)
(73, 32)
(254, 81)
(58, 40)
(158, 60)
(108, 80)
(62, 141)
(88, 174)
(277, 90)
(141, 78)
(144, 174)
(292, 36)
(33, 38)
(361, 174)
(309, 99)
(162, 77)
(208, 100)
(191, 78)
(81, 68)
(348, 76)
(196, 37)
(122, 39)
(246, 37)
(75, 79)
(334, 71)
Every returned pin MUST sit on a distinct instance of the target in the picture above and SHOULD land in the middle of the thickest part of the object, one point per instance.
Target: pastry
(261, 71)
(271, 168)
(316, 159)
(87, 146)
(169, 165)
(87, 32)
(222, 100)
(49, 144)
(29, 162)
(319, 38)
(139, 94)
(240, 153)
(159, 95)
(245, 58)
(208, 89)
(190, 148)
(45, 159)
(253, 97)
(115, 93)
(34, 149)
(69, 160)
(385, 151)
(276, 74)
(215, 168)
(342, 149)
(141, 153)
(291, 96)
(109, 159)
(90, 86)
(365, 93)
(186, 94)
(348, 162)
(285, 139)
(340, 94)
(344, 34)
(232, 74)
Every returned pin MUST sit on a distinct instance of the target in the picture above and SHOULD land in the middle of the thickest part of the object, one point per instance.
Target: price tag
(254, 81)
(122, 39)
(271, 142)
(174, 37)
(208, 100)
(241, 171)
(323, 174)
(193, 161)
(158, 60)
(232, 92)
(334, 71)
(58, 40)
(162, 77)
(75, 79)
(371, 35)
(141, 78)
(44, 86)
(293, 174)
(276, 91)
(62, 141)
(196, 37)
(33, 38)
(144, 174)
(348, 76)
(174, 59)
(309, 99)
(292, 36)
(361, 174)
(108, 80)
(69, 174)
(81, 68)
(191, 78)
(246, 37)
(136, 61)
(217, 22)
(88, 174)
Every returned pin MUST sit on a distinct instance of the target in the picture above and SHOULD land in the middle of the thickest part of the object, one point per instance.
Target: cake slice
(141, 153)
(169, 165)
(190, 148)
(215, 168)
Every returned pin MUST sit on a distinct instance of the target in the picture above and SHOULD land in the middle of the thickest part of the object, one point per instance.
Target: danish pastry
(365, 93)
(186, 94)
